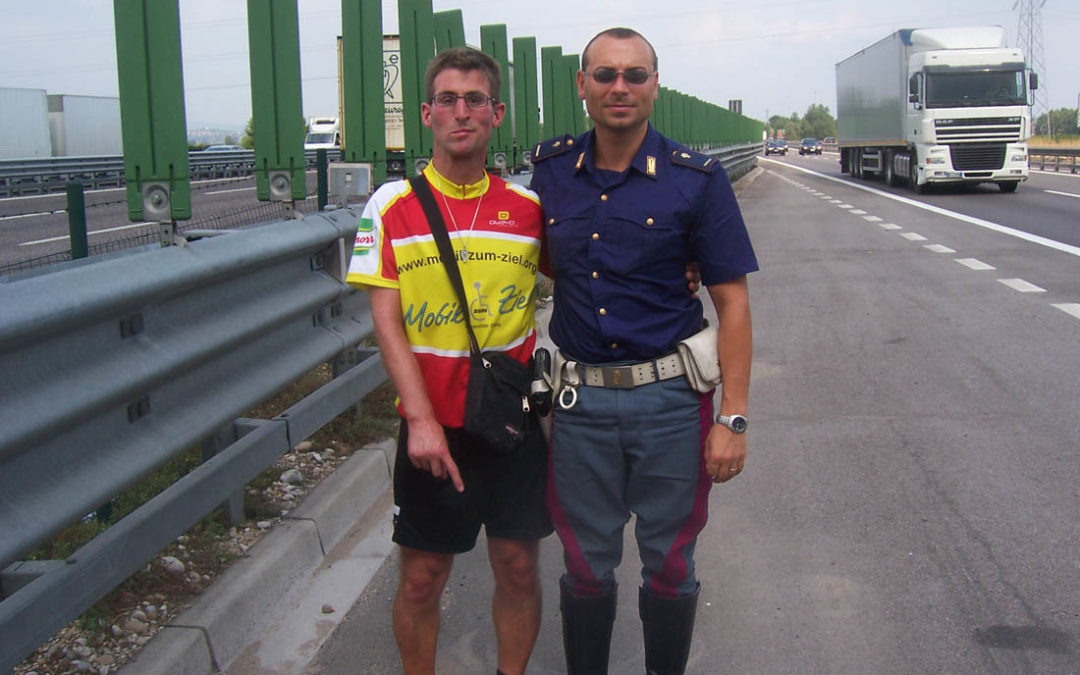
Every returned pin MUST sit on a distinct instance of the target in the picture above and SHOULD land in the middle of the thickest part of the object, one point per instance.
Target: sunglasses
(609, 75)
(474, 99)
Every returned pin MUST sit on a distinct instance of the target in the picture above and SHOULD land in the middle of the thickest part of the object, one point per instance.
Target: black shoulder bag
(497, 398)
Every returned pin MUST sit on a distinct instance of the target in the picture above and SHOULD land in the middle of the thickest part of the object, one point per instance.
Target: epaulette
(694, 160)
(552, 147)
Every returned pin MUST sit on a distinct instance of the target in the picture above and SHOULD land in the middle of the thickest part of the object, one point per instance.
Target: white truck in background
(936, 105)
(324, 133)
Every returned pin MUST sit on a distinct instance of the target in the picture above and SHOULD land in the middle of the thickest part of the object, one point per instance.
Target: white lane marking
(221, 192)
(975, 264)
(845, 206)
(858, 212)
(1026, 236)
(1063, 194)
(871, 219)
(30, 215)
(1022, 286)
(834, 201)
(889, 226)
(1070, 308)
(111, 229)
(912, 236)
(939, 248)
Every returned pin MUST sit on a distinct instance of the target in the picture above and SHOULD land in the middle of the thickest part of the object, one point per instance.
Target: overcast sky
(778, 56)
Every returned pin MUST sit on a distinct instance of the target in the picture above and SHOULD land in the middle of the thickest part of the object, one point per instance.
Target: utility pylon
(1029, 38)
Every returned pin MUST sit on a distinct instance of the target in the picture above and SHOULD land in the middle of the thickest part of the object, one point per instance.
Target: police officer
(625, 210)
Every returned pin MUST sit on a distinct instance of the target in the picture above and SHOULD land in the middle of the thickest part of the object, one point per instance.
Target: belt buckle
(618, 377)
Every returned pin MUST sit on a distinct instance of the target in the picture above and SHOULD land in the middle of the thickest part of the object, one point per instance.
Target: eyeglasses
(631, 76)
(474, 99)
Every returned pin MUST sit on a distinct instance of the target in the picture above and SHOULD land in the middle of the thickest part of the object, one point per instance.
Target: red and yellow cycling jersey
(494, 228)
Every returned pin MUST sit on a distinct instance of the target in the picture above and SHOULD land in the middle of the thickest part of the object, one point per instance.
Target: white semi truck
(936, 105)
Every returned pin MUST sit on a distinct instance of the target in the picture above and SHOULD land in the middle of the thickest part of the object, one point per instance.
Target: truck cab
(324, 133)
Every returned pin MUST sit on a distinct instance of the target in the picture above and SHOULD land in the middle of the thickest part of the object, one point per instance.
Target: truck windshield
(969, 89)
(320, 138)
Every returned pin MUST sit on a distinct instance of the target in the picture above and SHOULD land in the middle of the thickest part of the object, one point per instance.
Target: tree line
(818, 122)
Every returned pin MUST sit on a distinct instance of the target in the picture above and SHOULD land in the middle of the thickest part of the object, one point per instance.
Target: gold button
(595, 275)
(614, 345)
(603, 198)
(648, 221)
(551, 221)
(570, 142)
(595, 235)
(603, 312)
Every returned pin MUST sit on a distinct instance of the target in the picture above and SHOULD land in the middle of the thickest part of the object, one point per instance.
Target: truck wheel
(890, 172)
(914, 175)
(1009, 186)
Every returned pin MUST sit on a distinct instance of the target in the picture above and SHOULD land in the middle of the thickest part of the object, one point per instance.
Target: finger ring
(733, 469)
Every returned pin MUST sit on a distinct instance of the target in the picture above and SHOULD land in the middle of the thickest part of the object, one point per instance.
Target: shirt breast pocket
(567, 241)
(646, 245)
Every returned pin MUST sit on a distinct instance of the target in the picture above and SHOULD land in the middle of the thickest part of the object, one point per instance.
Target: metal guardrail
(52, 174)
(737, 160)
(111, 368)
(1056, 155)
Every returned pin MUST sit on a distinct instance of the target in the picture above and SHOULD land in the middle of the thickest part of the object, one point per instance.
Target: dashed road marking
(871, 219)
(1071, 308)
(845, 206)
(889, 226)
(912, 236)
(975, 264)
(986, 224)
(1022, 286)
(939, 248)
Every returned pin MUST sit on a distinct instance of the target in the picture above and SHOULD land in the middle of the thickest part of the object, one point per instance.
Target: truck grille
(980, 130)
(977, 156)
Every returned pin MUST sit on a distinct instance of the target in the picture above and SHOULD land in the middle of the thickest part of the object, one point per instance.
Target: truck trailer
(936, 105)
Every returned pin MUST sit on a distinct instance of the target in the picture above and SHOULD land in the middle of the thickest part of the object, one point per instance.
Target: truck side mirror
(1033, 81)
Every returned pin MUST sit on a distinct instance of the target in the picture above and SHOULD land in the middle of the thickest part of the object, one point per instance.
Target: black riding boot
(668, 625)
(587, 621)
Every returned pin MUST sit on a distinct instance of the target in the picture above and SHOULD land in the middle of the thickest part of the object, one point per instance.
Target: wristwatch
(737, 423)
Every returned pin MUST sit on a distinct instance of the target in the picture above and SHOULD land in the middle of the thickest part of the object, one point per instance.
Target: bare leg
(416, 608)
(516, 604)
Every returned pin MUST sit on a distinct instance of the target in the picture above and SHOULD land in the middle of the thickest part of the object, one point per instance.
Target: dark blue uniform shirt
(618, 244)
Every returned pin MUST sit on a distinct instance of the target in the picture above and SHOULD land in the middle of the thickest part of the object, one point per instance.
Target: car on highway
(776, 146)
(222, 148)
(810, 146)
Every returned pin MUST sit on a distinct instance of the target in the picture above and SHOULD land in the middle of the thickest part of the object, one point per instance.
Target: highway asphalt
(910, 498)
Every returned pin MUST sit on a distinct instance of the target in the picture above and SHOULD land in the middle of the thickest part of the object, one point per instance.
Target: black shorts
(503, 492)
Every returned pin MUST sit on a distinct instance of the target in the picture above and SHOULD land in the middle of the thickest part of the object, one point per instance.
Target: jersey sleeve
(373, 262)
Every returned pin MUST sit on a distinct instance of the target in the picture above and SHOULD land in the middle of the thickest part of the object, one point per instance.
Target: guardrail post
(320, 177)
(223, 438)
(76, 209)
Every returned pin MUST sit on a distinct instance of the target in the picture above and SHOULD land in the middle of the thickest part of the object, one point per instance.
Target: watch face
(738, 424)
